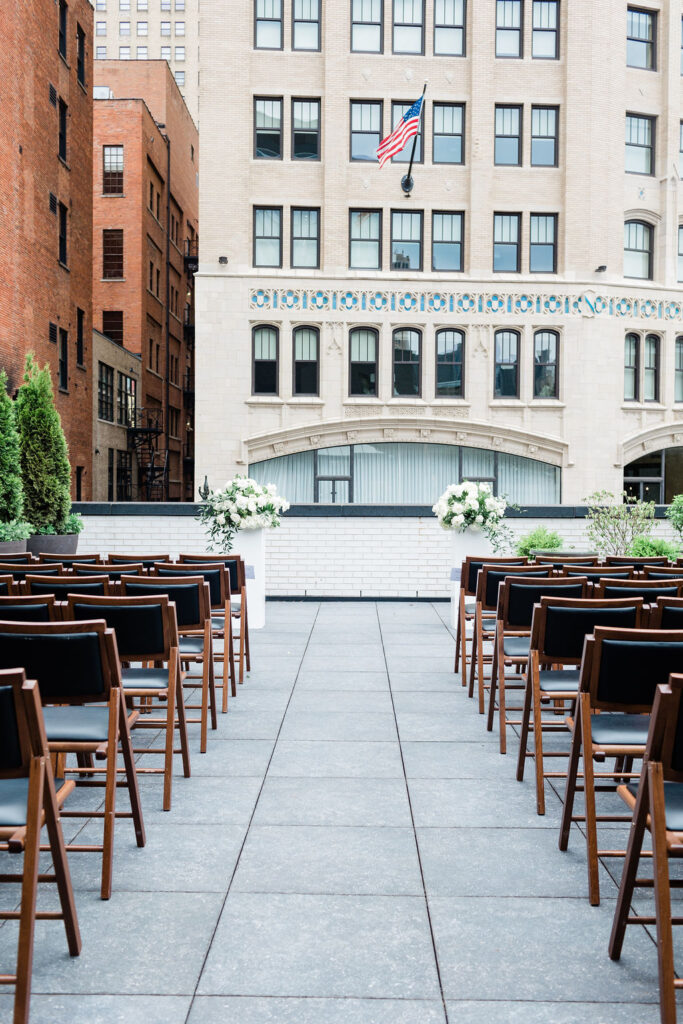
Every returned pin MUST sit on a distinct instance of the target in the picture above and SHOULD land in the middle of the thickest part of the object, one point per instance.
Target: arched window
(546, 364)
(265, 359)
(678, 379)
(407, 345)
(651, 368)
(306, 362)
(450, 358)
(506, 370)
(363, 361)
(679, 275)
(631, 367)
(638, 248)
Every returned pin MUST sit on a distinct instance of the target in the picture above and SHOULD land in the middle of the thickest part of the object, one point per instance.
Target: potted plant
(45, 468)
(14, 530)
(651, 547)
(248, 508)
(614, 521)
(539, 541)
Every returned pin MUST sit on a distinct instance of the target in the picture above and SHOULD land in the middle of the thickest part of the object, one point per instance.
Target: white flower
(479, 520)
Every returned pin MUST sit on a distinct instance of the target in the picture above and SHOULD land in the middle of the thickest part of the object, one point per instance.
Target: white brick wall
(325, 556)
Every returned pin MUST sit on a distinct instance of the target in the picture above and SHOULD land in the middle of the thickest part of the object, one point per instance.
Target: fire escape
(191, 259)
(143, 439)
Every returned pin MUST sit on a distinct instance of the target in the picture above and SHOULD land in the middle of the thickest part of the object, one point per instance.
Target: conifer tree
(11, 492)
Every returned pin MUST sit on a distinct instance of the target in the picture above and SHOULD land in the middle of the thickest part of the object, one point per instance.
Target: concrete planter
(12, 547)
(472, 542)
(251, 545)
(53, 544)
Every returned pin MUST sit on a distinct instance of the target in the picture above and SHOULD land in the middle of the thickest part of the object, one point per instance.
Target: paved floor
(351, 850)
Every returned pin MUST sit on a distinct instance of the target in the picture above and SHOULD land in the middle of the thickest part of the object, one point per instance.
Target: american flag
(404, 130)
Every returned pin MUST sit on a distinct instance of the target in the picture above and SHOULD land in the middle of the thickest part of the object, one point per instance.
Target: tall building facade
(516, 317)
(153, 30)
(46, 209)
(145, 188)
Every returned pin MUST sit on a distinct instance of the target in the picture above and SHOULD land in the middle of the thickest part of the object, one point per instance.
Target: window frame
(650, 250)
(293, 238)
(407, 24)
(402, 158)
(678, 370)
(125, 417)
(272, 266)
(63, 29)
(441, 53)
(280, 20)
(305, 99)
(462, 363)
(518, 244)
(112, 277)
(449, 135)
(635, 366)
(105, 392)
(420, 335)
(369, 102)
(80, 337)
(109, 188)
(555, 31)
(307, 21)
(254, 392)
(450, 213)
(80, 54)
(412, 213)
(63, 234)
(679, 265)
(656, 369)
(380, 23)
(519, 31)
(518, 335)
(554, 218)
(306, 394)
(62, 137)
(375, 332)
(555, 363)
(653, 43)
(269, 99)
(519, 136)
(555, 137)
(361, 209)
(63, 360)
(634, 145)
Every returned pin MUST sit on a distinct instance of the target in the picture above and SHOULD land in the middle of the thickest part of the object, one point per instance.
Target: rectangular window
(545, 29)
(508, 143)
(366, 26)
(63, 221)
(305, 129)
(124, 28)
(179, 53)
(408, 26)
(449, 131)
(542, 244)
(180, 28)
(506, 242)
(638, 249)
(100, 53)
(363, 362)
(125, 400)
(449, 28)
(100, 5)
(306, 24)
(112, 324)
(506, 368)
(365, 239)
(641, 34)
(678, 376)
(143, 5)
(165, 5)
(397, 112)
(447, 241)
(165, 52)
(101, 28)
(306, 365)
(366, 130)
(141, 52)
(110, 475)
(63, 365)
(105, 392)
(268, 26)
(124, 52)
(508, 28)
(544, 122)
(267, 236)
(124, 5)
(142, 28)
(124, 475)
(180, 78)
(151, 276)
(112, 253)
(546, 345)
(80, 339)
(640, 153)
(406, 241)
(80, 54)
(680, 252)
(449, 363)
(166, 28)
(63, 116)
(63, 19)
(651, 368)
(631, 367)
(407, 345)
(265, 342)
(305, 238)
(112, 170)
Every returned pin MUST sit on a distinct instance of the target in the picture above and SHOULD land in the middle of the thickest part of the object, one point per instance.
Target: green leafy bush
(650, 547)
(16, 529)
(540, 539)
(45, 465)
(674, 514)
(12, 524)
(615, 520)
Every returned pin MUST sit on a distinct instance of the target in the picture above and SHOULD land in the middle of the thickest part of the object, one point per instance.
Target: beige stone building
(115, 399)
(517, 316)
(153, 30)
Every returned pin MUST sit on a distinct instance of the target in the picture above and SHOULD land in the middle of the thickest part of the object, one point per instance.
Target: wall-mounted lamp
(223, 260)
(601, 269)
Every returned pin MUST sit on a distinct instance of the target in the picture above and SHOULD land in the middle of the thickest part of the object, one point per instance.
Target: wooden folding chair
(68, 561)
(147, 632)
(113, 572)
(517, 596)
(649, 572)
(190, 594)
(147, 560)
(620, 672)
(570, 561)
(657, 805)
(20, 571)
(29, 608)
(637, 560)
(8, 585)
(238, 601)
(77, 668)
(17, 558)
(667, 613)
(467, 600)
(649, 590)
(558, 630)
(30, 800)
(60, 586)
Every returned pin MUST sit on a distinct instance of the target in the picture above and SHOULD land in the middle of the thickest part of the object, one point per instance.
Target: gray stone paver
(351, 850)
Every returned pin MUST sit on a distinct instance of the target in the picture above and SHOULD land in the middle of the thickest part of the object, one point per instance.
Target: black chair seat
(217, 622)
(564, 681)
(470, 605)
(617, 730)
(673, 799)
(516, 646)
(145, 678)
(191, 645)
(76, 723)
(13, 802)
(235, 605)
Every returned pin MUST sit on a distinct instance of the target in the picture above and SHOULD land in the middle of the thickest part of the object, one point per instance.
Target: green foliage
(11, 491)
(614, 521)
(540, 539)
(44, 455)
(16, 529)
(73, 523)
(674, 514)
(649, 547)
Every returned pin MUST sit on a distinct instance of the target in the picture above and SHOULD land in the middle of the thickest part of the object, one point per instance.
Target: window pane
(449, 360)
(506, 349)
(406, 345)
(406, 246)
(447, 241)
(448, 130)
(397, 112)
(639, 144)
(363, 352)
(365, 130)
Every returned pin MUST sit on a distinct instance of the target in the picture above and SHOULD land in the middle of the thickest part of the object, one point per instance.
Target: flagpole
(407, 180)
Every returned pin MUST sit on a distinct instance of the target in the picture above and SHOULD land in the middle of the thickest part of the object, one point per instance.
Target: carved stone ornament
(678, 438)
(461, 436)
(389, 433)
(351, 435)
(497, 442)
(314, 440)
(334, 344)
(532, 448)
(425, 432)
(278, 446)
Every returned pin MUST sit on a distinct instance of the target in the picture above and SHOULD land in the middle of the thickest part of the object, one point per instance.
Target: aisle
(351, 850)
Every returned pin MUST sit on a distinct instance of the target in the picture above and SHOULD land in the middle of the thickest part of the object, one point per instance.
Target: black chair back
(114, 572)
(566, 626)
(62, 586)
(211, 575)
(627, 667)
(20, 572)
(17, 557)
(28, 608)
(139, 627)
(496, 577)
(523, 596)
(67, 659)
(185, 596)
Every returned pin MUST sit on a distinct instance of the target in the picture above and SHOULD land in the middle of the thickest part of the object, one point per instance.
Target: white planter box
(464, 543)
(251, 545)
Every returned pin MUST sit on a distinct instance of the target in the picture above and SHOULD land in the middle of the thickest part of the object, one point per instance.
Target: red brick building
(46, 208)
(145, 207)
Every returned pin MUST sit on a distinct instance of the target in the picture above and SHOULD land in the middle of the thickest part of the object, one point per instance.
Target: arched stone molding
(664, 435)
(367, 427)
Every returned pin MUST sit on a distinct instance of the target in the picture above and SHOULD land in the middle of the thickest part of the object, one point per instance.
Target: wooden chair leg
(463, 638)
(61, 865)
(110, 795)
(29, 890)
(131, 776)
(660, 864)
(246, 632)
(538, 745)
(570, 789)
(457, 645)
(589, 803)
(473, 658)
(480, 664)
(169, 745)
(230, 644)
(182, 718)
(630, 870)
(497, 662)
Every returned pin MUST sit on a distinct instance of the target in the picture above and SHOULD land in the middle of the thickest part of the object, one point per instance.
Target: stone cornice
(664, 435)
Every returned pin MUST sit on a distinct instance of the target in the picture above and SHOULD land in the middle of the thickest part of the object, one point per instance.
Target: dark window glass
(126, 400)
(508, 143)
(305, 238)
(63, 16)
(268, 28)
(63, 116)
(63, 221)
(63, 367)
(79, 483)
(306, 344)
(506, 241)
(408, 26)
(651, 368)
(542, 243)
(546, 347)
(545, 23)
(448, 145)
(639, 144)
(397, 112)
(506, 372)
(638, 249)
(124, 476)
(640, 38)
(110, 475)
(365, 231)
(306, 25)
(305, 129)
(112, 170)
(267, 236)
(407, 346)
(366, 130)
(105, 392)
(80, 54)
(363, 360)
(508, 28)
(265, 361)
(366, 26)
(447, 241)
(449, 27)
(680, 252)
(112, 253)
(406, 241)
(450, 348)
(631, 367)
(544, 136)
(678, 375)
(267, 129)
(80, 340)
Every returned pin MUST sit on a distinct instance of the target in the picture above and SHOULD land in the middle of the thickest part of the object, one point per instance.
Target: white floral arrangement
(473, 506)
(243, 504)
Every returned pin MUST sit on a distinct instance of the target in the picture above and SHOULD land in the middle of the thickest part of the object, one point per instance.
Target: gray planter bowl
(12, 547)
(53, 544)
